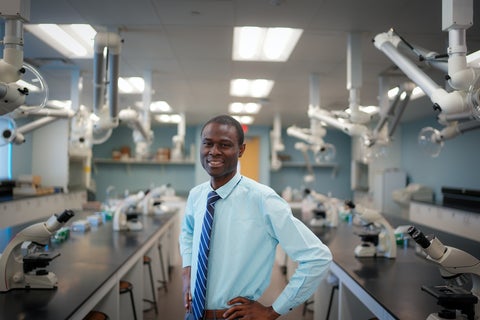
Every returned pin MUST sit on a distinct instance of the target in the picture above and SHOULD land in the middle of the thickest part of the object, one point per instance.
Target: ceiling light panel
(244, 108)
(131, 85)
(74, 41)
(244, 119)
(258, 88)
(264, 44)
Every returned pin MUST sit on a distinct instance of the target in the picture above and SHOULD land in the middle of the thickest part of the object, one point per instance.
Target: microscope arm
(452, 261)
(374, 216)
(38, 233)
(120, 216)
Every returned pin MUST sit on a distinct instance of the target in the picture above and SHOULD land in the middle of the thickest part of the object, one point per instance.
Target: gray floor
(171, 305)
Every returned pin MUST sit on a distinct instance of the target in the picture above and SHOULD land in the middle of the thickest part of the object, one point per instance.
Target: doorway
(250, 160)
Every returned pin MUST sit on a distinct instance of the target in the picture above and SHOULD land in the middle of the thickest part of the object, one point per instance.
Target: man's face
(219, 152)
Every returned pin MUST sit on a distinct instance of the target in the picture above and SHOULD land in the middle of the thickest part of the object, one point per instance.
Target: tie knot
(212, 197)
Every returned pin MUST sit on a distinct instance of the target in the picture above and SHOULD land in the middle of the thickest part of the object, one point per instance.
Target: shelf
(300, 164)
(142, 162)
(293, 164)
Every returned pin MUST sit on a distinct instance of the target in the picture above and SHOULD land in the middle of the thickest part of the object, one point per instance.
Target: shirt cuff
(282, 305)
(186, 260)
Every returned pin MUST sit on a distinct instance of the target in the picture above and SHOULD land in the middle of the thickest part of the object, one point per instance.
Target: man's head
(222, 143)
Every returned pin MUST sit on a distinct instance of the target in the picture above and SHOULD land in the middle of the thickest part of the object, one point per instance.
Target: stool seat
(96, 315)
(147, 260)
(127, 287)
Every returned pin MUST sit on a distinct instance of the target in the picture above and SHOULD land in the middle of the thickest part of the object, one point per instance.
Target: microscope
(454, 264)
(378, 236)
(21, 264)
(325, 214)
(122, 210)
(152, 203)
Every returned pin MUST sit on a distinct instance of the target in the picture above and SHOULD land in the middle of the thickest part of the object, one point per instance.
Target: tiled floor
(171, 305)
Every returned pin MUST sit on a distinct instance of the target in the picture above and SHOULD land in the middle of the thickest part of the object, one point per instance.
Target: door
(250, 160)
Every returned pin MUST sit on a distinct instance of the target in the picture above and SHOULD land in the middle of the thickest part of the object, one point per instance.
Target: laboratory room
(239, 159)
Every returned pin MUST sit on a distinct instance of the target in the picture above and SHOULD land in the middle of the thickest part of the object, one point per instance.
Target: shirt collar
(225, 190)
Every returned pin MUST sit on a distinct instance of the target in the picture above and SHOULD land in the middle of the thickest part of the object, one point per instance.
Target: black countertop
(394, 283)
(86, 262)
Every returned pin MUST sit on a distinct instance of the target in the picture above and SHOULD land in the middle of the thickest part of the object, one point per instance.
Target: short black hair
(230, 121)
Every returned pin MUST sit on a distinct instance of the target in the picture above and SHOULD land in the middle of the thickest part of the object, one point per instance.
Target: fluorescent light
(244, 119)
(73, 41)
(258, 88)
(240, 108)
(369, 109)
(366, 109)
(131, 85)
(417, 92)
(168, 118)
(393, 92)
(264, 44)
(160, 106)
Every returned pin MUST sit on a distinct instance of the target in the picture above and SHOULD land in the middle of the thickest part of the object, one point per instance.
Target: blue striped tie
(204, 247)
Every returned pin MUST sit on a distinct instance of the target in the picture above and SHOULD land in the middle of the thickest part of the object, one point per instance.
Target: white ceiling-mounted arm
(448, 102)
(351, 129)
(179, 140)
(354, 79)
(12, 95)
(17, 135)
(276, 142)
(132, 118)
(112, 42)
(395, 110)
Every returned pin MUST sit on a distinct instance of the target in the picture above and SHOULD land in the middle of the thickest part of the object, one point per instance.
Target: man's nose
(214, 149)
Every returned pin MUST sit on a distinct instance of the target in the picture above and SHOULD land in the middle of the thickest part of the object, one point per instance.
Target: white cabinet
(384, 183)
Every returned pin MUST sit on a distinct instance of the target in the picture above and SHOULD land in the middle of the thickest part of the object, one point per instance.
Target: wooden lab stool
(125, 287)
(96, 315)
(147, 261)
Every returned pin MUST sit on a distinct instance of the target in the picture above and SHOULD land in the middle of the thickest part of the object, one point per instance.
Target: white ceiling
(187, 46)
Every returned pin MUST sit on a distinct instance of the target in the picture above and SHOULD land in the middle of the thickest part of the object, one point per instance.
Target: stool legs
(331, 300)
(125, 287)
(164, 281)
(148, 261)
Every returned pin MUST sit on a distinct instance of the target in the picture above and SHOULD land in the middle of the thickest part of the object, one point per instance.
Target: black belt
(214, 314)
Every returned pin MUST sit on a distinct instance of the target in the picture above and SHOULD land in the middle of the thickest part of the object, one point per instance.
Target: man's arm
(304, 247)
(187, 295)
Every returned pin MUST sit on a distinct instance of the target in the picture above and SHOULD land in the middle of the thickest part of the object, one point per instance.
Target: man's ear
(242, 150)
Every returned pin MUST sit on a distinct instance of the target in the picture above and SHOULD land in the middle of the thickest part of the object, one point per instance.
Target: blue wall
(141, 176)
(184, 177)
(327, 179)
(457, 165)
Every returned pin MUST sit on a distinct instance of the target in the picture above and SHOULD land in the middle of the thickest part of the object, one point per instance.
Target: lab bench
(381, 287)
(89, 269)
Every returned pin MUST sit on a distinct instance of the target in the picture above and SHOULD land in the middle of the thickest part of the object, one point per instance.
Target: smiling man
(229, 236)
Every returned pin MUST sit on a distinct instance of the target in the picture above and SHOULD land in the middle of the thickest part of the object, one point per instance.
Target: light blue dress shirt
(250, 220)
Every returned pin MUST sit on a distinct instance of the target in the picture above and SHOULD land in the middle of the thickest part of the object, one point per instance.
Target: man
(249, 220)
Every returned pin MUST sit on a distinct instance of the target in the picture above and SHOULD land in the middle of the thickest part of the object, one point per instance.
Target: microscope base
(366, 249)
(437, 316)
(48, 281)
(30, 281)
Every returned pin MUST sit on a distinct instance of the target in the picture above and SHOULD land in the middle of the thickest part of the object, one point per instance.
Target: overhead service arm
(459, 107)
(108, 114)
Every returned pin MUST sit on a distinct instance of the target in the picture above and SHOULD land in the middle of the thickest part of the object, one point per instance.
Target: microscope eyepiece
(418, 236)
(65, 216)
